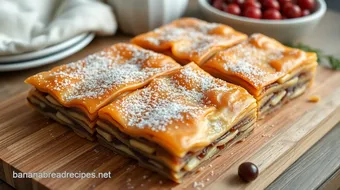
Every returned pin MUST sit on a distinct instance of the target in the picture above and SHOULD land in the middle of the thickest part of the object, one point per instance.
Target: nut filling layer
(276, 97)
(70, 117)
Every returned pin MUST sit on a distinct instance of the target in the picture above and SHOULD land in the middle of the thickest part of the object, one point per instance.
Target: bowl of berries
(284, 20)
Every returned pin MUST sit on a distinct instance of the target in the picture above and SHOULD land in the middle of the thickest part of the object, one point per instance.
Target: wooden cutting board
(31, 143)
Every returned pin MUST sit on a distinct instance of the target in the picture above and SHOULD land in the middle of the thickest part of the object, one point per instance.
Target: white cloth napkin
(29, 25)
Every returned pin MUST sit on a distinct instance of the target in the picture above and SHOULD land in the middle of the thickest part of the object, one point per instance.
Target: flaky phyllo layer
(177, 119)
(190, 39)
(85, 86)
(271, 72)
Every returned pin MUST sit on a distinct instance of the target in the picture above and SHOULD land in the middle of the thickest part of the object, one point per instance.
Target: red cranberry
(238, 2)
(218, 4)
(306, 4)
(291, 11)
(284, 1)
(286, 6)
(272, 14)
(253, 12)
(305, 12)
(271, 4)
(248, 171)
(233, 9)
(251, 3)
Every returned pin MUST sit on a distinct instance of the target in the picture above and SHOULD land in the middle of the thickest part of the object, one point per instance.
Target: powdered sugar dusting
(197, 38)
(175, 98)
(105, 72)
(153, 41)
(205, 27)
(203, 81)
(250, 61)
(144, 111)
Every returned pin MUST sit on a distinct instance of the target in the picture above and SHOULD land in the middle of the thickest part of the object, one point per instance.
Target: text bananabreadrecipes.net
(61, 175)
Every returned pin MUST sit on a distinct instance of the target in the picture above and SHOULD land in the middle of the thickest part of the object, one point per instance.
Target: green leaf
(335, 63)
(305, 47)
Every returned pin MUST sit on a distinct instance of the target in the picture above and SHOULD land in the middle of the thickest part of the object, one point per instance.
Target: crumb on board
(128, 184)
(266, 135)
(313, 99)
(131, 167)
(198, 185)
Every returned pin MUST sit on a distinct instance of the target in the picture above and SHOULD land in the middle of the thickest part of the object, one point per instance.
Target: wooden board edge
(281, 164)
(19, 183)
(8, 177)
(333, 182)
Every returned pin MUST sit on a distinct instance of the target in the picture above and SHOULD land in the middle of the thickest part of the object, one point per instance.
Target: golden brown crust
(258, 62)
(190, 39)
(93, 82)
(184, 111)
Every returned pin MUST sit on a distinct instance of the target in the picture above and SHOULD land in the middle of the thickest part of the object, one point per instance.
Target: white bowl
(139, 16)
(286, 31)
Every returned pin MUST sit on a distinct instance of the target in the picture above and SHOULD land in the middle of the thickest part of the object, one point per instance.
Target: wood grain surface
(312, 171)
(333, 182)
(5, 186)
(31, 143)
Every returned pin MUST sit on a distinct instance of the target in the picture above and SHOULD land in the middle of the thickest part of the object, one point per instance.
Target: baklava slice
(73, 93)
(178, 121)
(190, 39)
(270, 71)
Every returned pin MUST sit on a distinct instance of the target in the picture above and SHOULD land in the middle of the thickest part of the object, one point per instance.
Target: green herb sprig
(333, 61)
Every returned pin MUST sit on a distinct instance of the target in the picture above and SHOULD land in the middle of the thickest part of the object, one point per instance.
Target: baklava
(270, 71)
(190, 39)
(73, 93)
(178, 121)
